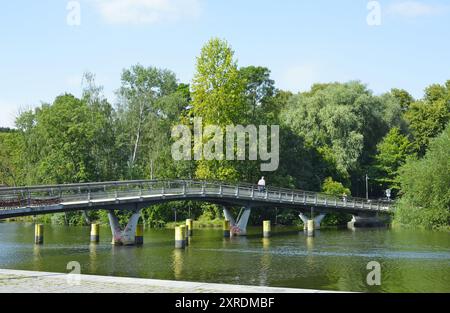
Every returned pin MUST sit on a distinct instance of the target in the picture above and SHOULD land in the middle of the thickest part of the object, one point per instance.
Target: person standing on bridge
(262, 185)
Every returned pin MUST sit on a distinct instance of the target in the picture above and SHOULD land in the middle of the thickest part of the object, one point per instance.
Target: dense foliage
(425, 186)
(332, 136)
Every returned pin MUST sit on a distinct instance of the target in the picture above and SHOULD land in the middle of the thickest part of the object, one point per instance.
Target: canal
(336, 259)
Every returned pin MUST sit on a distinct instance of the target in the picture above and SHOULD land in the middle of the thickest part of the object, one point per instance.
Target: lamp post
(367, 186)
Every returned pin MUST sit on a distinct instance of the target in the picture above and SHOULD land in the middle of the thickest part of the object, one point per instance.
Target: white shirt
(261, 182)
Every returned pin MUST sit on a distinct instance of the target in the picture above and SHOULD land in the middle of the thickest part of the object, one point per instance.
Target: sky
(47, 45)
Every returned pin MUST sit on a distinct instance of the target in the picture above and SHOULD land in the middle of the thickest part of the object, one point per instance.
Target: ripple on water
(410, 255)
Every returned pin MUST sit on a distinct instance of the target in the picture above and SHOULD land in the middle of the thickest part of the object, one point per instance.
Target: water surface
(411, 260)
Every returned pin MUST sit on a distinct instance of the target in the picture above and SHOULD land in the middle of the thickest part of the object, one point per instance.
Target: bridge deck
(37, 200)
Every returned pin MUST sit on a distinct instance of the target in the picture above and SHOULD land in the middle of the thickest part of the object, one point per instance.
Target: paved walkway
(12, 281)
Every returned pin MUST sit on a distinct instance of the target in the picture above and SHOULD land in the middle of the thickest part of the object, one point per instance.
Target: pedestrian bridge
(135, 195)
(130, 195)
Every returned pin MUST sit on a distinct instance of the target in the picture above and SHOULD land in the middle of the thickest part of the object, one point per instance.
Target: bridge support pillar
(139, 240)
(238, 228)
(95, 233)
(266, 229)
(311, 230)
(39, 234)
(366, 221)
(127, 236)
(180, 237)
(317, 221)
(226, 229)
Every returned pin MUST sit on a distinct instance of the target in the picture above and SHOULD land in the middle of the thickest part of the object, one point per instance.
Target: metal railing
(140, 190)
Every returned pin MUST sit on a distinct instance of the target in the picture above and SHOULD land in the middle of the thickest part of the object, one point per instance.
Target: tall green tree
(107, 161)
(427, 118)
(259, 91)
(65, 133)
(392, 154)
(425, 187)
(342, 121)
(11, 167)
(218, 98)
(217, 87)
(150, 102)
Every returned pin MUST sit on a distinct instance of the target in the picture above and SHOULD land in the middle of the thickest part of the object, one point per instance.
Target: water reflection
(37, 257)
(177, 263)
(310, 252)
(265, 263)
(310, 244)
(124, 261)
(266, 243)
(93, 257)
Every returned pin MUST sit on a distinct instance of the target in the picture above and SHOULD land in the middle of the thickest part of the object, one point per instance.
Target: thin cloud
(413, 9)
(147, 11)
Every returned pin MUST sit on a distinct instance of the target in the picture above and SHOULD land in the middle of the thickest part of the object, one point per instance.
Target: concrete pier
(317, 221)
(126, 236)
(238, 228)
(310, 228)
(226, 229)
(95, 233)
(39, 234)
(266, 229)
(139, 239)
(180, 237)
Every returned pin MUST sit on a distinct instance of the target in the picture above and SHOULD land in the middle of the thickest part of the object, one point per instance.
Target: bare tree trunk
(138, 135)
(86, 217)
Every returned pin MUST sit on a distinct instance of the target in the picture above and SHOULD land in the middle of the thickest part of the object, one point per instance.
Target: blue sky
(302, 42)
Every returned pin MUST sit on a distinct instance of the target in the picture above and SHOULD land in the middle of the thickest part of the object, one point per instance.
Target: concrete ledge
(13, 281)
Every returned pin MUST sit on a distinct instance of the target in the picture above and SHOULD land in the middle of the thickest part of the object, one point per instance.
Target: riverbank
(13, 281)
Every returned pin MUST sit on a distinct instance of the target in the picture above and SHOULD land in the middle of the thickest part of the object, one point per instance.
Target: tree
(259, 90)
(150, 102)
(425, 187)
(393, 112)
(10, 152)
(333, 188)
(217, 87)
(342, 121)
(65, 142)
(403, 97)
(392, 154)
(66, 132)
(107, 161)
(427, 118)
(337, 189)
(218, 98)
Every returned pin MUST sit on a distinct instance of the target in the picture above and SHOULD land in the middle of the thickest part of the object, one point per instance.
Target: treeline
(331, 138)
